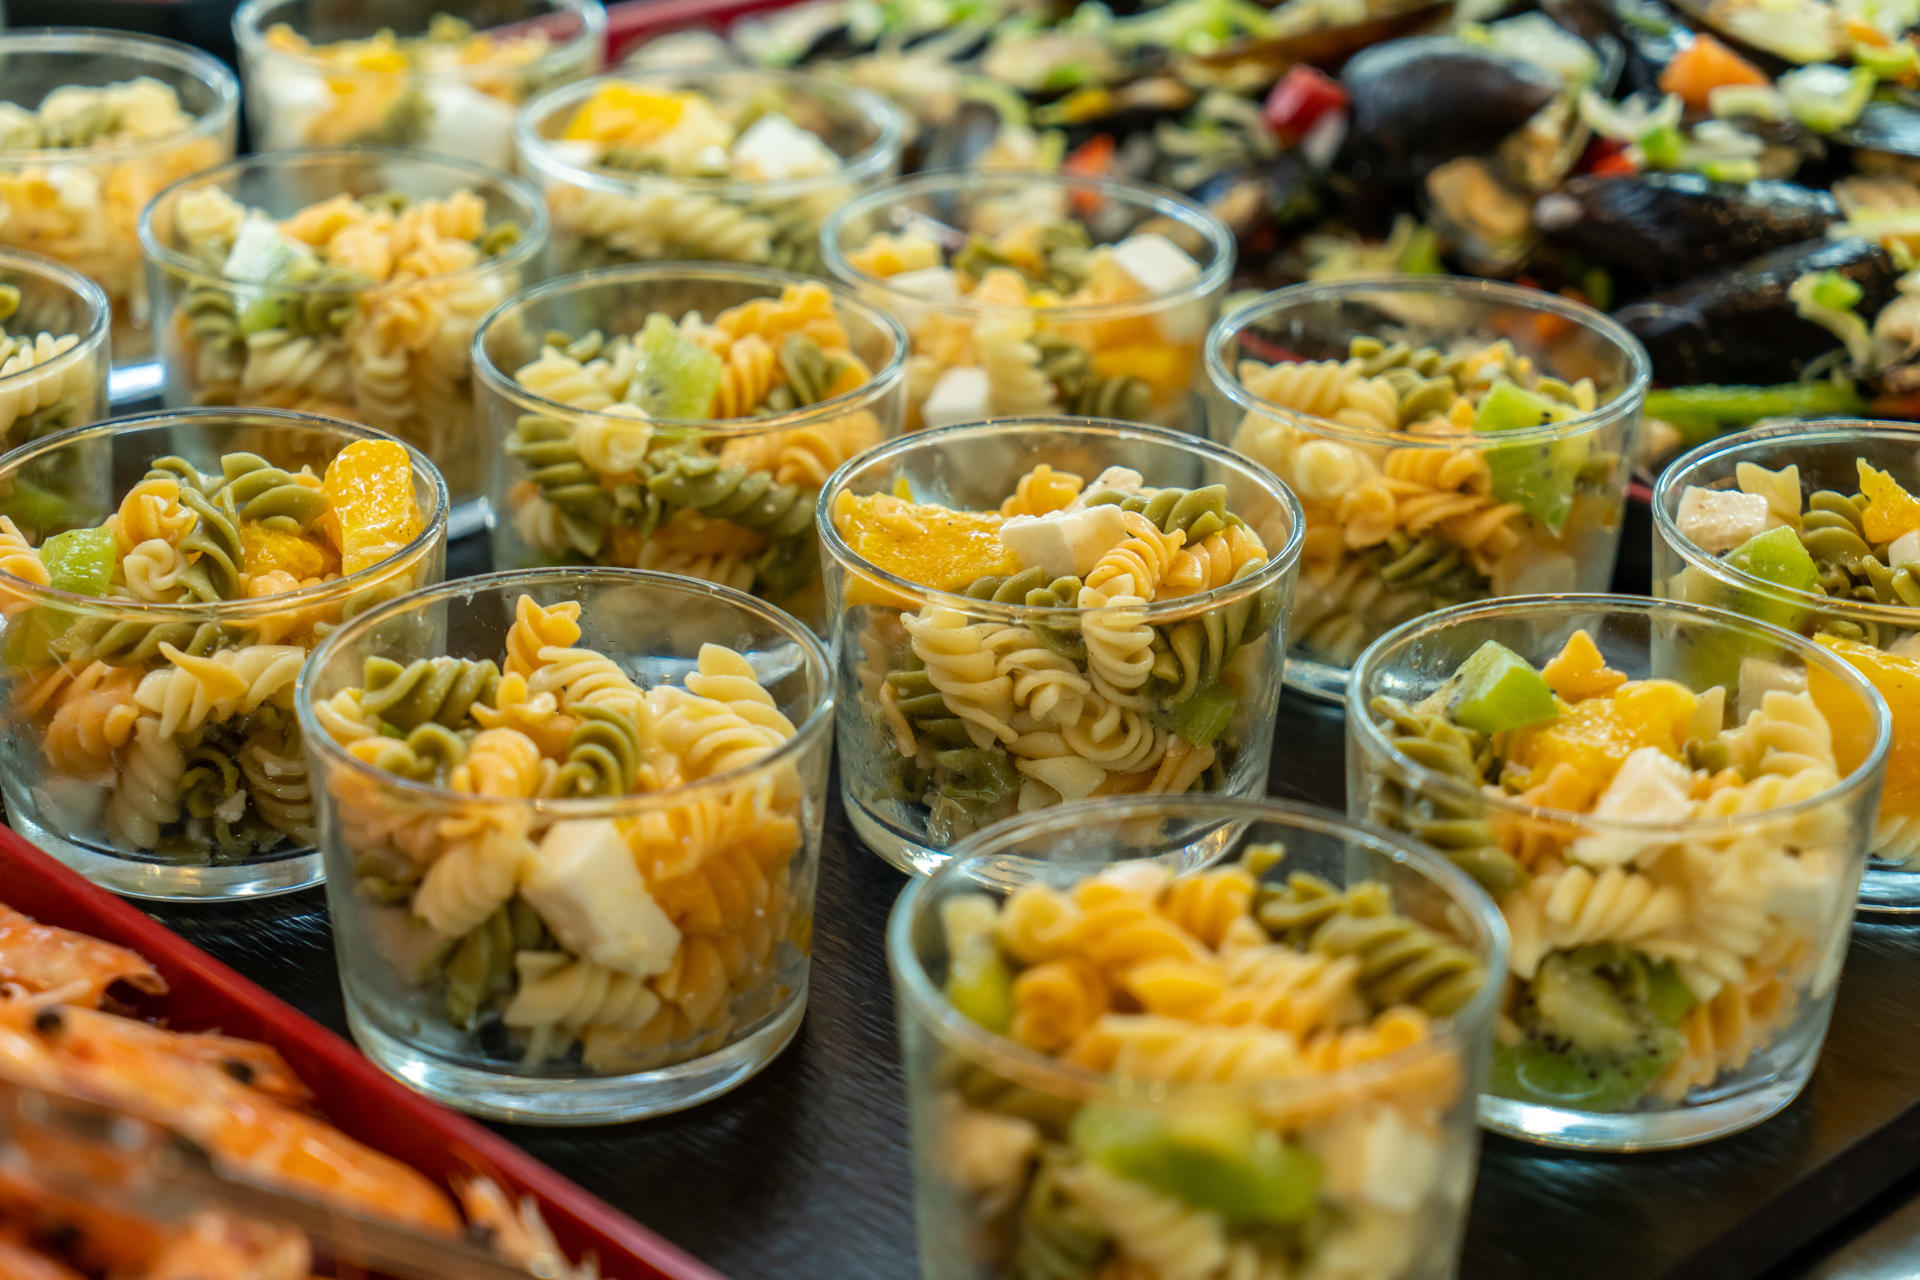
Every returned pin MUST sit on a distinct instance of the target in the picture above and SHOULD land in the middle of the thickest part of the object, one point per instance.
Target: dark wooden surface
(803, 1172)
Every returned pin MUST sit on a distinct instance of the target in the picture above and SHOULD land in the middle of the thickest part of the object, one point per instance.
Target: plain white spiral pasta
(1177, 1241)
(146, 797)
(1016, 385)
(965, 671)
(472, 879)
(1118, 637)
(192, 691)
(667, 221)
(27, 387)
(559, 991)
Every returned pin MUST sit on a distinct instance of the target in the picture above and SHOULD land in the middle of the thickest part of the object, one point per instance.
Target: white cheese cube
(959, 396)
(1065, 542)
(260, 252)
(1904, 549)
(1381, 1159)
(1651, 786)
(577, 152)
(1718, 520)
(939, 284)
(1119, 479)
(775, 148)
(1761, 676)
(1160, 267)
(584, 884)
(293, 100)
(465, 122)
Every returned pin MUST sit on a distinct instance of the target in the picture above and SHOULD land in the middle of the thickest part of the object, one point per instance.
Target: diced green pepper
(1538, 477)
(675, 377)
(1218, 1160)
(1496, 689)
(80, 561)
(1204, 715)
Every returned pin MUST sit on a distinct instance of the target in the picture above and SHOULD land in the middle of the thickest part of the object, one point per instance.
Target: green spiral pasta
(751, 499)
(1401, 961)
(1456, 827)
(1433, 565)
(428, 752)
(1036, 590)
(810, 372)
(441, 690)
(1055, 1239)
(1080, 390)
(478, 971)
(215, 542)
(1194, 512)
(603, 754)
(1193, 652)
(545, 447)
(267, 494)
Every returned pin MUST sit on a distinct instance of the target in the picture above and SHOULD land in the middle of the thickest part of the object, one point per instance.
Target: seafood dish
(71, 1028)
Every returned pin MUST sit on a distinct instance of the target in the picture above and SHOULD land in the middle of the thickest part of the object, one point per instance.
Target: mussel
(1661, 229)
(1739, 325)
(1420, 102)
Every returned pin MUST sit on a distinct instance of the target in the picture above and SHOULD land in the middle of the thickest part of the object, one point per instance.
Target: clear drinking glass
(54, 343)
(1880, 636)
(604, 213)
(113, 760)
(426, 74)
(1407, 511)
(78, 201)
(1704, 949)
(576, 483)
(1364, 1154)
(726, 864)
(394, 355)
(925, 759)
(1118, 349)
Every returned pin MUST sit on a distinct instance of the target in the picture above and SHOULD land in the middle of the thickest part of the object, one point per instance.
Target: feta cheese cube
(578, 152)
(1119, 479)
(1160, 267)
(959, 396)
(465, 122)
(1761, 676)
(775, 148)
(937, 284)
(1718, 520)
(1065, 542)
(583, 882)
(1379, 1158)
(1904, 549)
(1651, 786)
(293, 100)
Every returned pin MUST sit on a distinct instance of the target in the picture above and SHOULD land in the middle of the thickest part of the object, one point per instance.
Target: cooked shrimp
(146, 1072)
(220, 1245)
(38, 957)
(20, 1262)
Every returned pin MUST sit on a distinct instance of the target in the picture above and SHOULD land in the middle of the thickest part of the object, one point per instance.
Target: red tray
(205, 995)
(637, 21)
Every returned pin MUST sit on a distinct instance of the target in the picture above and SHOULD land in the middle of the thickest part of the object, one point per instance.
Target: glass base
(168, 881)
(1630, 1131)
(541, 1100)
(128, 385)
(1314, 678)
(895, 846)
(471, 516)
(1890, 888)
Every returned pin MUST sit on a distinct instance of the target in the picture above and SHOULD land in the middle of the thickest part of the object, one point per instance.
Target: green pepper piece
(1204, 715)
(80, 561)
(1496, 689)
(979, 984)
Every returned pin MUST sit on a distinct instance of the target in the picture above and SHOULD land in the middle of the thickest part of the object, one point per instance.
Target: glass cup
(54, 342)
(573, 484)
(393, 355)
(603, 213)
(1879, 635)
(437, 77)
(79, 202)
(1672, 976)
(490, 1008)
(1406, 518)
(1173, 695)
(1135, 358)
(1249, 1144)
(129, 753)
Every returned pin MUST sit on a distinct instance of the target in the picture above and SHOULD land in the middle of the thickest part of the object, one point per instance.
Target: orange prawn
(38, 958)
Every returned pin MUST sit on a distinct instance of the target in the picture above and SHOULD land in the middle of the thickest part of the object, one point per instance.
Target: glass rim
(925, 1002)
(1279, 563)
(1213, 276)
(185, 58)
(806, 733)
(626, 275)
(250, 25)
(532, 215)
(1669, 486)
(433, 522)
(99, 315)
(1624, 403)
(1365, 730)
(537, 153)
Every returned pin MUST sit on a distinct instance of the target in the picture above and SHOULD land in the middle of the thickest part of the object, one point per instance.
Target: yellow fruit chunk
(625, 113)
(1898, 680)
(932, 545)
(1168, 369)
(267, 550)
(1580, 671)
(1596, 736)
(1891, 510)
(370, 508)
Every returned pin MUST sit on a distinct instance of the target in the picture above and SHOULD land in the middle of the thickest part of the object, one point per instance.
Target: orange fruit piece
(265, 550)
(1596, 735)
(1898, 680)
(1891, 510)
(625, 113)
(370, 508)
(1580, 671)
(934, 546)
(1166, 367)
